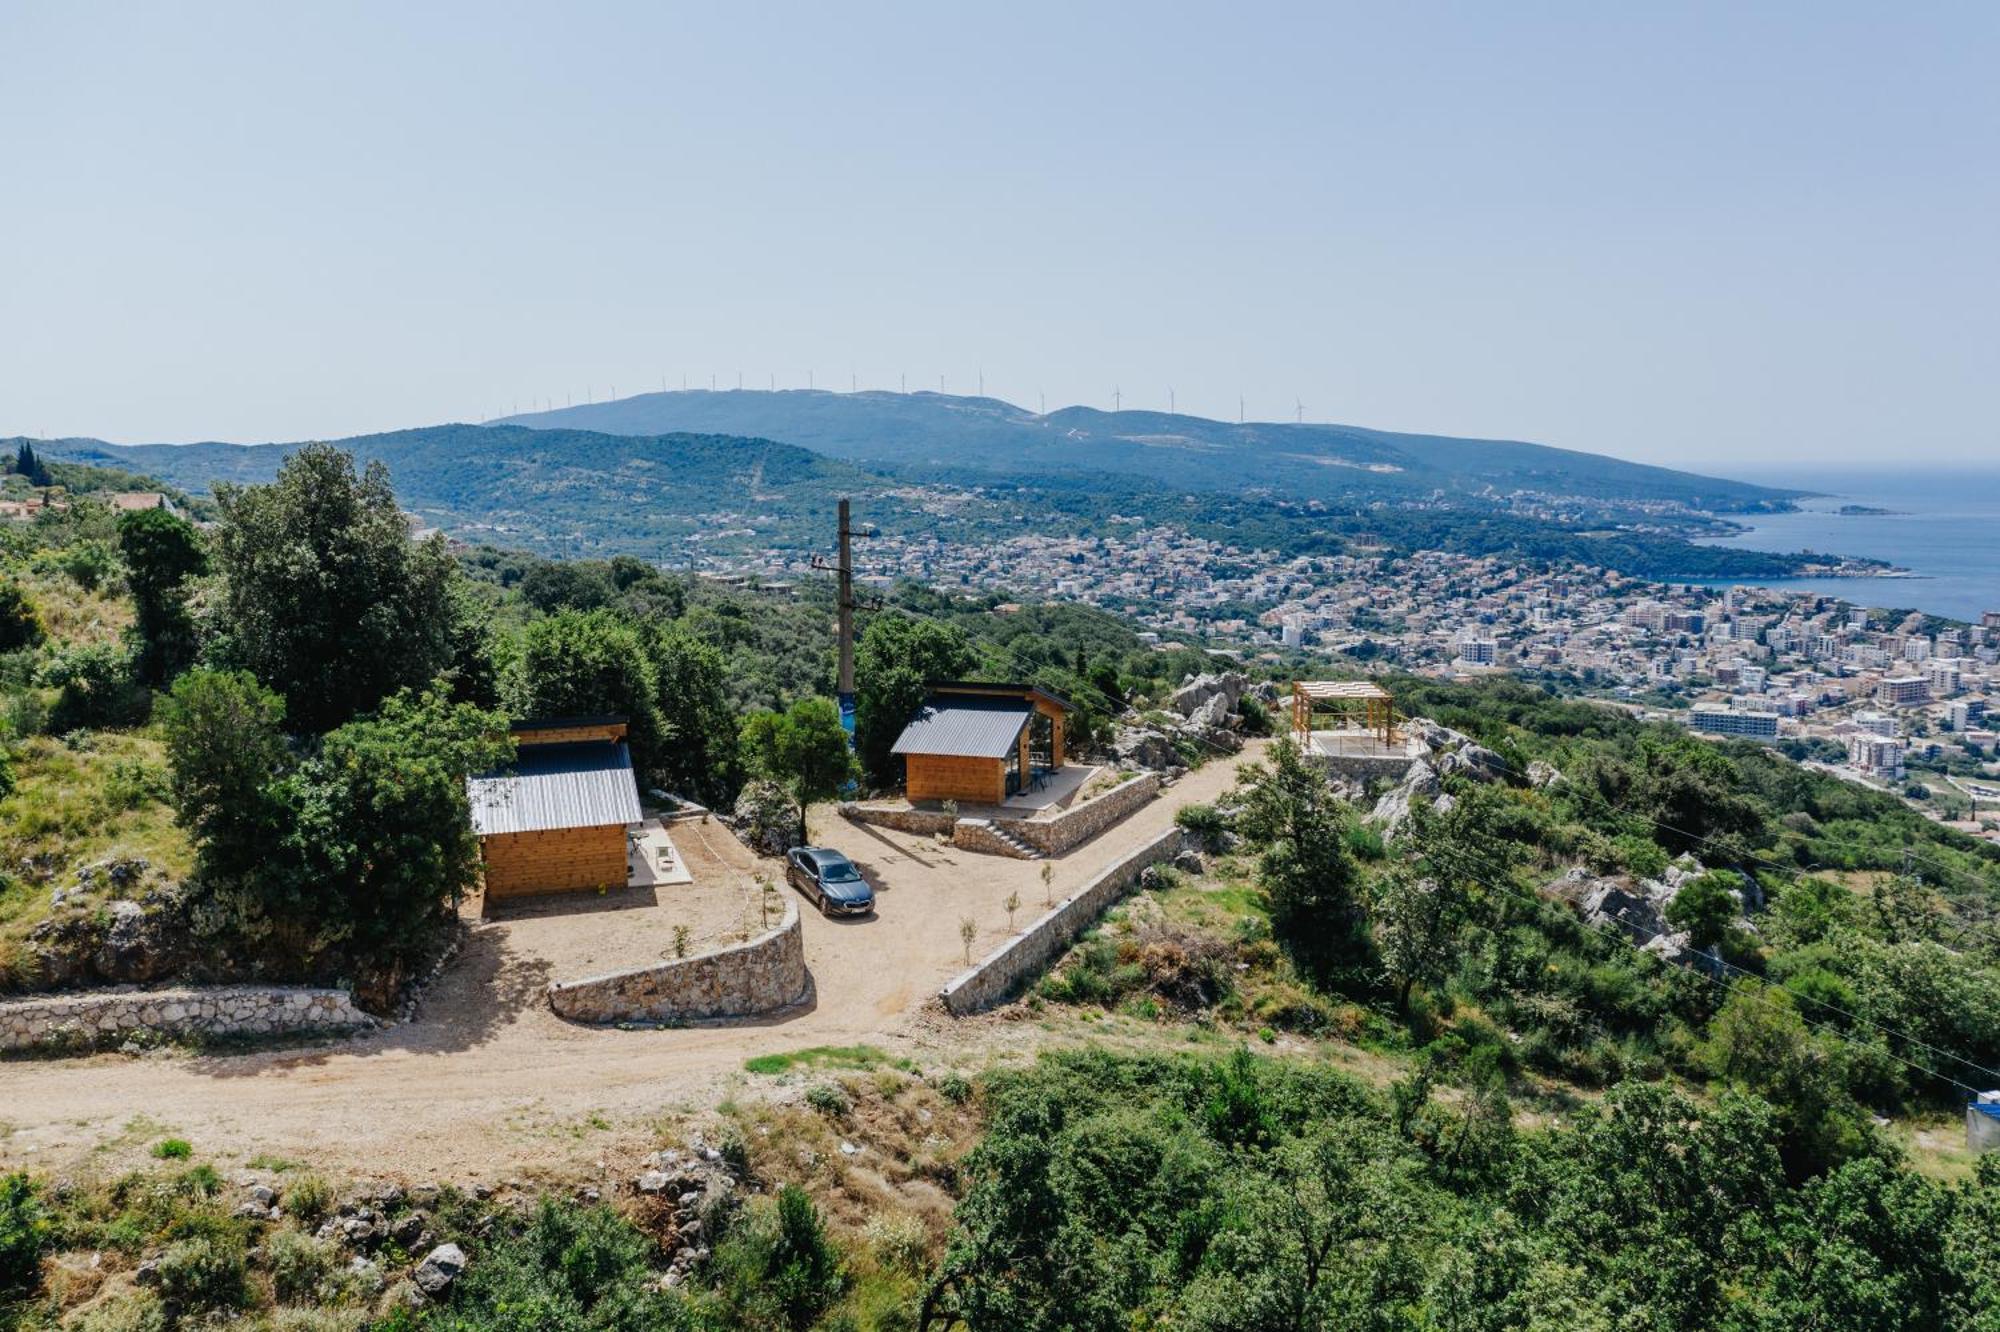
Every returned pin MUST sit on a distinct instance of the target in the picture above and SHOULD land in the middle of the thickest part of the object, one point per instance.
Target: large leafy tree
(803, 749)
(1417, 921)
(1305, 867)
(592, 663)
(342, 856)
(895, 658)
(327, 600)
(703, 759)
(381, 828)
(162, 551)
(226, 751)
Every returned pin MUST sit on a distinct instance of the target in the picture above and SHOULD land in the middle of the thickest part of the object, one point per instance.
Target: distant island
(1864, 511)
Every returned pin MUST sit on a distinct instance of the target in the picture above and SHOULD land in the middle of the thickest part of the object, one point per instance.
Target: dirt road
(488, 1083)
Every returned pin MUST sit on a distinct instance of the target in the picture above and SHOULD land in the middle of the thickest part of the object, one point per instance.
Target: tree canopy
(326, 598)
(897, 655)
(803, 749)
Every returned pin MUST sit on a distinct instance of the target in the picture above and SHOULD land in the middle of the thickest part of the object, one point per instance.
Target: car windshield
(838, 869)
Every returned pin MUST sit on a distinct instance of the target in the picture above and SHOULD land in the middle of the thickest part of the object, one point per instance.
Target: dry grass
(906, 1141)
(72, 615)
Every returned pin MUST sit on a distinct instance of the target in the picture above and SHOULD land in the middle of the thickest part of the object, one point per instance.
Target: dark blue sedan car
(829, 880)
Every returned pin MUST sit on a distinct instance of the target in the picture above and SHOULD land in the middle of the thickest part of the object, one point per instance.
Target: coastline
(1938, 532)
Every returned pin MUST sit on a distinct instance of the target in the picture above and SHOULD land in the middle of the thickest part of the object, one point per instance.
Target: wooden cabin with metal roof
(558, 817)
(978, 742)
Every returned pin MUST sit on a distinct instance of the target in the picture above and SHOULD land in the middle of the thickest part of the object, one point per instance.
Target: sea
(1942, 526)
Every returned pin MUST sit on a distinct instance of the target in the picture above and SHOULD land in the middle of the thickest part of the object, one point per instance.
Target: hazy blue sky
(1697, 234)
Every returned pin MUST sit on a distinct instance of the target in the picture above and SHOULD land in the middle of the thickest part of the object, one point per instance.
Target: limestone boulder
(1143, 747)
(439, 1269)
(1197, 690)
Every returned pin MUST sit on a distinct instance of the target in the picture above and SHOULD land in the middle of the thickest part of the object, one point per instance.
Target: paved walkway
(488, 1081)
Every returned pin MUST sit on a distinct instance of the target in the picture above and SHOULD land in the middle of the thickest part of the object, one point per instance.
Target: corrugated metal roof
(582, 785)
(966, 727)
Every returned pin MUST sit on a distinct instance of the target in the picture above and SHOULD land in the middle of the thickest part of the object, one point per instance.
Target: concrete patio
(1058, 792)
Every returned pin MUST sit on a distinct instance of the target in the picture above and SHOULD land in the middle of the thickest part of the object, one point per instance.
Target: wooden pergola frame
(1356, 705)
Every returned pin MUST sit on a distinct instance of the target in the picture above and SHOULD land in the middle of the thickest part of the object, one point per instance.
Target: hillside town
(1871, 696)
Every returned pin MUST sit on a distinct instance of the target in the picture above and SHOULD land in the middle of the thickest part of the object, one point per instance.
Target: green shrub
(781, 1269)
(308, 1199)
(172, 1149)
(137, 1311)
(20, 623)
(24, 1226)
(1642, 855)
(569, 1269)
(203, 1273)
(955, 1087)
(1206, 824)
(1365, 841)
(299, 1265)
(829, 1099)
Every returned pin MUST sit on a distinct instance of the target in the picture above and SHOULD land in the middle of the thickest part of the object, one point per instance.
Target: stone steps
(1021, 849)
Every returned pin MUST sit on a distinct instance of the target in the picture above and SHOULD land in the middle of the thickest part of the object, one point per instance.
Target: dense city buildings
(1774, 665)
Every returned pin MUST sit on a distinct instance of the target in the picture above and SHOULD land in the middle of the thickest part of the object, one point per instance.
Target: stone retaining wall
(104, 1017)
(763, 974)
(1000, 973)
(1050, 837)
(1080, 823)
(922, 822)
(1364, 767)
(983, 835)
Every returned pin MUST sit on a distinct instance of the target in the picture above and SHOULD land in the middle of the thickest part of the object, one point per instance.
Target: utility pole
(846, 577)
(843, 571)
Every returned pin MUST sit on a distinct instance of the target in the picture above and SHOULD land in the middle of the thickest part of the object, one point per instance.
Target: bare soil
(590, 933)
(488, 1084)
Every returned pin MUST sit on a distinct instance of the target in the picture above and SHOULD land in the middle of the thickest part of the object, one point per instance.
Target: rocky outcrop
(1143, 747)
(1393, 809)
(113, 925)
(439, 1269)
(1637, 908)
(1472, 760)
(765, 819)
(686, 1197)
(1200, 691)
(89, 1021)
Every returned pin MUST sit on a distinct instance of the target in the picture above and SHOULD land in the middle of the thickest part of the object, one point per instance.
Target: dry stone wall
(922, 822)
(758, 976)
(105, 1017)
(1080, 823)
(1000, 973)
(1048, 837)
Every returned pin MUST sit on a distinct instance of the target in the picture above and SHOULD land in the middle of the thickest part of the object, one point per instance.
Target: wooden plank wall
(556, 861)
(1055, 716)
(563, 735)
(981, 781)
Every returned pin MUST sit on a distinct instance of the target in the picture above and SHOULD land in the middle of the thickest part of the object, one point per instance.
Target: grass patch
(173, 1149)
(851, 1058)
(75, 805)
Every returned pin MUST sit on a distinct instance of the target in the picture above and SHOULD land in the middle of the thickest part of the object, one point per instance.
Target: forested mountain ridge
(555, 491)
(666, 497)
(1311, 461)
